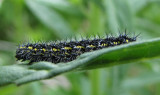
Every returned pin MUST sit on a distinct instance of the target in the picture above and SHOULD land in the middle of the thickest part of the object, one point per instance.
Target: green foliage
(27, 20)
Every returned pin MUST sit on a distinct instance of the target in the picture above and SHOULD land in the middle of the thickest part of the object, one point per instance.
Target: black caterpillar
(67, 51)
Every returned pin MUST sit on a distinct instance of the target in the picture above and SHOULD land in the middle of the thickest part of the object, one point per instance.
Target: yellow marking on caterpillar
(103, 44)
(118, 42)
(92, 46)
(30, 47)
(21, 47)
(115, 43)
(54, 49)
(127, 41)
(66, 53)
(35, 49)
(44, 49)
(67, 48)
(79, 47)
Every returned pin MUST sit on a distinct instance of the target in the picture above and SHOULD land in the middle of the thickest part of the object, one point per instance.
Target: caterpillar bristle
(68, 50)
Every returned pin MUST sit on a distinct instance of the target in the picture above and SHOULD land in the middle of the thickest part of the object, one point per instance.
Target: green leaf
(50, 18)
(10, 73)
(128, 53)
(63, 6)
(142, 80)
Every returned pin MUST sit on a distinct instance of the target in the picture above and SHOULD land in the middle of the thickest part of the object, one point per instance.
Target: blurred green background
(46, 20)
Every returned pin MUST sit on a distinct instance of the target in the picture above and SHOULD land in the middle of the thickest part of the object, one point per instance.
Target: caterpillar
(57, 52)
